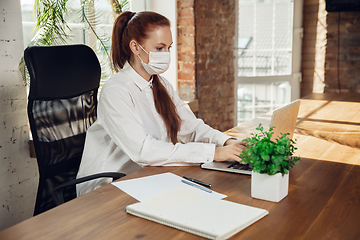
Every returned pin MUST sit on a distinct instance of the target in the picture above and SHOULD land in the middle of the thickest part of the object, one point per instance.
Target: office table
(323, 200)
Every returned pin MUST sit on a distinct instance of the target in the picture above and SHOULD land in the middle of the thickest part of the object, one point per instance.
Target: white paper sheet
(152, 186)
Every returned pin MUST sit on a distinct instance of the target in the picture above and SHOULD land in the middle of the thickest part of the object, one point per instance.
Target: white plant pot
(271, 188)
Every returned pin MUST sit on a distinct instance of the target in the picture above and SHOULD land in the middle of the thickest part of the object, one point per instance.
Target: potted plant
(271, 159)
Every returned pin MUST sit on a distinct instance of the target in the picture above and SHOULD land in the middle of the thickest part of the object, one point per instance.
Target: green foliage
(120, 6)
(91, 20)
(52, 29)
(50, 25)
(266, 156)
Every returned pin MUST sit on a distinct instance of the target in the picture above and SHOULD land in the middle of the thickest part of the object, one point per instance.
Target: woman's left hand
(232, 141)
(231, 150)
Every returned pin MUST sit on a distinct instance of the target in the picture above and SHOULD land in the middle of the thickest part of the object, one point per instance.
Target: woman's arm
(192, 128)
(116, 113)
(195, 130)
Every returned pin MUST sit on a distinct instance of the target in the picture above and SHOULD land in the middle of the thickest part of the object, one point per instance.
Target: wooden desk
(323, 200)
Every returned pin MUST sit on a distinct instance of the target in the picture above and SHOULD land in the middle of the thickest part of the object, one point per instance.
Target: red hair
(137, 26)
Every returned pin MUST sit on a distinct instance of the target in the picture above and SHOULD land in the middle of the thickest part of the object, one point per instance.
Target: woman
(141, 120)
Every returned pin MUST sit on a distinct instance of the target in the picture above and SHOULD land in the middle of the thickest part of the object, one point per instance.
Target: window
(265, 37)
(256, 99)
(265, 72)
(79, 32)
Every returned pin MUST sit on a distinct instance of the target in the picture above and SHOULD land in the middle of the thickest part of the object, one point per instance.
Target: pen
(197, 186)
(197, 181)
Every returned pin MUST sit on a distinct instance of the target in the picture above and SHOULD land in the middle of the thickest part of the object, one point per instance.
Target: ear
(134, 47)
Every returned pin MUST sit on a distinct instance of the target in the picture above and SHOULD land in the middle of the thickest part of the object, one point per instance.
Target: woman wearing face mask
(141, 120)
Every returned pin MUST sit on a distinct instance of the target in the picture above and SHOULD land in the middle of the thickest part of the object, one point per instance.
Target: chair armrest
(57, 193)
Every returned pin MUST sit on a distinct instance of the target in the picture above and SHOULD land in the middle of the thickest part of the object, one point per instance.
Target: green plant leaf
(52, 29)
(266, 156)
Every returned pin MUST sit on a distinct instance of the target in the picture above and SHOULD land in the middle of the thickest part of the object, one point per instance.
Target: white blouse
(129, 133)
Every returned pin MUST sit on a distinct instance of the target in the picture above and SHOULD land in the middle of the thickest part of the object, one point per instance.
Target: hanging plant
(52, 29)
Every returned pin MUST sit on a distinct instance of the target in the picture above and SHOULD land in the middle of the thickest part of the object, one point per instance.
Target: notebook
(197, 214)
(284, 121)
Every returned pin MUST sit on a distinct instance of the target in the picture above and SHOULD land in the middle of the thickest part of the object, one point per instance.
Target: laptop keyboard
(240, 166)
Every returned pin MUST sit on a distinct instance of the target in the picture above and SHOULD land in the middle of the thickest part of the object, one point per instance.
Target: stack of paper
(198, 214)
(187, 208)
(147, 187)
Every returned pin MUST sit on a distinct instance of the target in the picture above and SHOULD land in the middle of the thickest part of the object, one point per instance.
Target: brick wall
(186, 49)
(313, 47)
(206, 63)
(342, 68)
(214, 38)
(18, 175)
(330, 50)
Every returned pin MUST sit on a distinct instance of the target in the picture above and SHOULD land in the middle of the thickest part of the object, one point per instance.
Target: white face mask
(158, 62)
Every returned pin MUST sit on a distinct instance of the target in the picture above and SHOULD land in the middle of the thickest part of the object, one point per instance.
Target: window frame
(293, 79)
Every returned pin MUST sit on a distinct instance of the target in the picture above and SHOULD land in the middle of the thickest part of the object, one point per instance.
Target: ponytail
(137, 26)
(120, 54)
(166, 108)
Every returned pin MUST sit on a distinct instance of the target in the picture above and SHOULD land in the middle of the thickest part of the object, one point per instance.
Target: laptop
(284, 121)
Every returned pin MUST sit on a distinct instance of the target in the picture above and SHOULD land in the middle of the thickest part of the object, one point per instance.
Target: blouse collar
(136, 78)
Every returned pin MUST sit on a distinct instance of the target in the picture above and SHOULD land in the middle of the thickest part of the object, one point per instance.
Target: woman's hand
(231, 150)
(231, 141)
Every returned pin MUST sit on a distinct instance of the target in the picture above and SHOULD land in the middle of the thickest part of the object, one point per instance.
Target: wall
(342, 58)
(18, 174)
(330, 51)
(313, 47)
(206, 34)
(214, 61)
(186, 49)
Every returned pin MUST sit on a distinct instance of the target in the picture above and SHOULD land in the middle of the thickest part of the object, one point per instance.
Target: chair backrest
(62, 104)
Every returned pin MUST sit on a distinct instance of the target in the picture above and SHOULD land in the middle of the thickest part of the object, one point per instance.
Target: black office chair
(62, 105)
